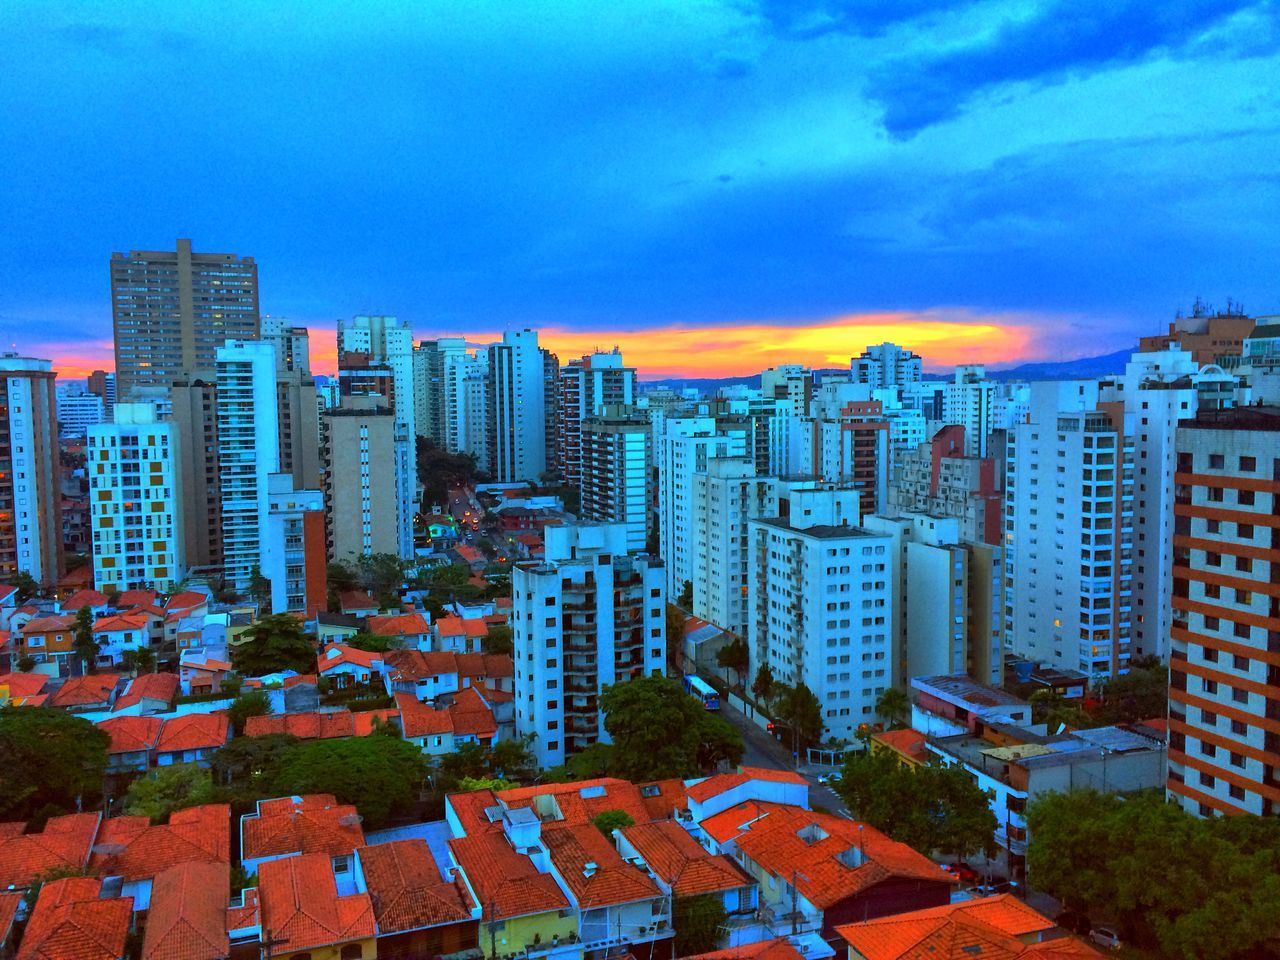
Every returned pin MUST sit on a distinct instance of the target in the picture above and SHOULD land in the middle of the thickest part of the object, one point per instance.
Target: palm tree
(894, 707)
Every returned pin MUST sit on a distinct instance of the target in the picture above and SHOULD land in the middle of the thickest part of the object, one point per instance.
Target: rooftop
(408, 889)
(131, 847)
(187, 915)
(70, 922)
(299, 900)
(315, 823)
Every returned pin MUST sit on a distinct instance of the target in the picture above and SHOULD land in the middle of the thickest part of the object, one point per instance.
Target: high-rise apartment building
(845, 445)
(791, 385)
(517, 408)
(1208, 335)
(887, 366)
(438, 370)
(1224, 696)
(590, 614)
(586, 386)
(78, 410)
(1069, 532)
(969, 400)
(360, 492)
(616, 479)
(938, 478)
(171, 310)
(193, 404)
(248, 453)
(134, 501)
(103, 384)
(30, 499)
(293, 552)
(725, 494)
(471, 419)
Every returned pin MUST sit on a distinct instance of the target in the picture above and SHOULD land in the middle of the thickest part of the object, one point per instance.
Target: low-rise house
(95, 600)
(816, 871)
(315, 823)
(48, 639)
(1001, 926)
(187, 918)
(711, 795)
(321, 724)
(91, 693)
(348, 666)
(192, 738)
(308, 913)
(422, 908)
(72, 920)
(407, 630)
(459, 634)
(200, 673)
(425, 726)
(23, 689)
(120, 632)
(133, 742)
(424, 675)
(149, 693)
(469, 556)
(907, 745)
(945, 705)
(472, 716)
(775, 948)
(10, 902)
(130, 851)
(336, 627)
(8, 604)
(63, 846)
(357, 603)
(492, 671)
(137, 598)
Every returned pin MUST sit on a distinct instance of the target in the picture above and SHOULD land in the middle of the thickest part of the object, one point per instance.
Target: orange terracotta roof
(6, 591)
(64, 844)
(301, 907)
(23, 684)
(581, 801)
(408, 890)
(83, 691)
(397, 625)
(449, 626)
(194, 731)
(315, 823)
(776, 949)
(471, 715)
(136, 598)
(300, 678)
(479, 666)
(245, 914)
(908, 742)
(703, 790)
(356, 600)
(132, 848)
(507, 882)
(414, 665)
(337, 654)
(78, 576)
(682, 862)
(187, 916)
(120, 621)
(470, 810)
(186, 600)
(149, 686)
(314, 725)
(131, 734)
(85, 598)
(367, 721)
(989, 926)
(9, 903)
(783, 839)
(418, 719)
(69, 922)
(468, 553)
(575, 849)
(55, 623)
(663, 797)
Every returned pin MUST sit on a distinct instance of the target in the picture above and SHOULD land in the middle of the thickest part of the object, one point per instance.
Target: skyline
(1070, 176)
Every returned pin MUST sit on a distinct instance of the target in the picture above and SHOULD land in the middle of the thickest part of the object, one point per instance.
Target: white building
(590, 614)
(248, 452)
(438, 366)
(31, 522)
(587, 386)
(791, 385)
(1069, 532)
(78, 410)
(470, 419)
(725, 494)
(284, 542)
(969, 400)
(134, 501)
(517, 408)
(887, 365)
(614, 472)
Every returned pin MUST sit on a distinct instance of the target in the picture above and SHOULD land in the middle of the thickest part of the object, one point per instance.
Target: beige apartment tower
(360, 478)
(172, 309)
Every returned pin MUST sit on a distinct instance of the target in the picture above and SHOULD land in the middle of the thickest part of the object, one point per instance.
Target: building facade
(30, 499)
(615, 477)
(517, 408)
(360, 493)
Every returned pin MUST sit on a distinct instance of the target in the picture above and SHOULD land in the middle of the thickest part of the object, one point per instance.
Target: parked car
(994, 886)
(1105, 937)
(833, 777)
(962, 871)
(1074, 922)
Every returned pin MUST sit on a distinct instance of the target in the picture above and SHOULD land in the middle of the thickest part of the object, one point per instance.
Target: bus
(696, 686)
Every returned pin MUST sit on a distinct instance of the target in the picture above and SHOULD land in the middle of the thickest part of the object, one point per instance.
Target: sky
(713, 185)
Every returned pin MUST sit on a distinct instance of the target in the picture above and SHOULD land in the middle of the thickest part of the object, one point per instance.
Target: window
(1217, 461)
(1244, 498)
(352, 951)
(1237, 760)
(1239, 696)
(1248, 464)
(1237, 793)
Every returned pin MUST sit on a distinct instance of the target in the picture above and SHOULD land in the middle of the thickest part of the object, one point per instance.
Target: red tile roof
(337, 654)
(187, 916)
(468, 553)
(663, 797)
(681, 862)
(23, 685)
(85, 598)
(783, 839)
(186, 600)
(418, 719)
(776, 949)
(132, 848)
(582, 801)
(351, 600)
(85, 691)
(120, 621)
(64, 844)
(485, 665)
(315, 823)
(507, 882)
(69, 922)
(713, 786)
(301, 907)
(990, 927)
(408, 890)
(593, 868)
(51, 624)
(909, 743)
(414, 665)
(136, 598)
(194, 731)
(9, 903)
(397, 625)
(472, 716)
(7, 591)
(131, 734)
(317, 725)
(149, 686)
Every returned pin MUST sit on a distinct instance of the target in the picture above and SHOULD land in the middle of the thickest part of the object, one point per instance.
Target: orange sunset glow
(943, 337)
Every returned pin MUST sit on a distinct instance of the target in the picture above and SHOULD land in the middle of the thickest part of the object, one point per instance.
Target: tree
(659, 731)
(231, 685)
(166, 789)
(802, 711)
(596, 760)
(138, 660)
(685, 600)
(894, 707)
(251, 703)
(471, 784)
(274, 643)
(698, 921)
(85, 646)
(763, 684)
(606, 821)
(26, 663)
(48, 758)
(1050, 708)
(736, 656)
(381, 574)
(718, 740)
(372, 643)
(259, 588)
(25, 584)
(380, 775)
(246, 760)
(1140, 694)
(499, 640)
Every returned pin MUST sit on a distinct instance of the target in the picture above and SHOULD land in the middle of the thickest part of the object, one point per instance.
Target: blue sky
(1073, 171)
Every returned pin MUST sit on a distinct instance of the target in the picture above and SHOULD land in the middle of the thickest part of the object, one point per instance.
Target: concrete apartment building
(791, 385)
(30, 498)
(1208, 335)
(360, 492)
(725, 494)
(437, 368)
(615, 472)
(193, 412)
(586, 387)
(516, 420)
(172, 310)
(969, 400)
(1069, 532)
(887, 366)
(588, 615)
(846, 444)
(940, 479)
(134, 501)
(1224, 695)
(294, 558)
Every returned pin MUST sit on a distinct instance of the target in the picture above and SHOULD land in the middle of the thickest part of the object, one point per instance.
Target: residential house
(469, 556)
(284, 826)
(336, 627)
(131, 852)
(407, 630)
(120, 632)
(357, 603)
(201, 673)
(320, 724)
(425, 726)
(8, 604)
(348, 666)
(458, 634)
(62, 846)
(308, 914)
(187, 919)
(711, 795)
(907, 745)
(133, 742)
(73, 921)
(192, 738)
(93, 692)
(23, 689)
(47, 640)
(149, 693)
(422, 908)
(423, 674)
(95, 600)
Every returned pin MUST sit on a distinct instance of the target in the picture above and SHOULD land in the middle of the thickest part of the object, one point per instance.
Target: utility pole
(493, 933)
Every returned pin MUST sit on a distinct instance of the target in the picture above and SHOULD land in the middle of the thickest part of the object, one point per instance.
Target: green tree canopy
(698, 922)
(1140, 694)
(499, 639)
(894, 707)
(85, 646)
(251, 703)
(372, 643)
(606, 821)
(595, 761)
(246, 760)
(736, 656)
(272, 644)
(48, 758)
(800, 709)
(762, 686)
(166, 789)
(380, 775)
